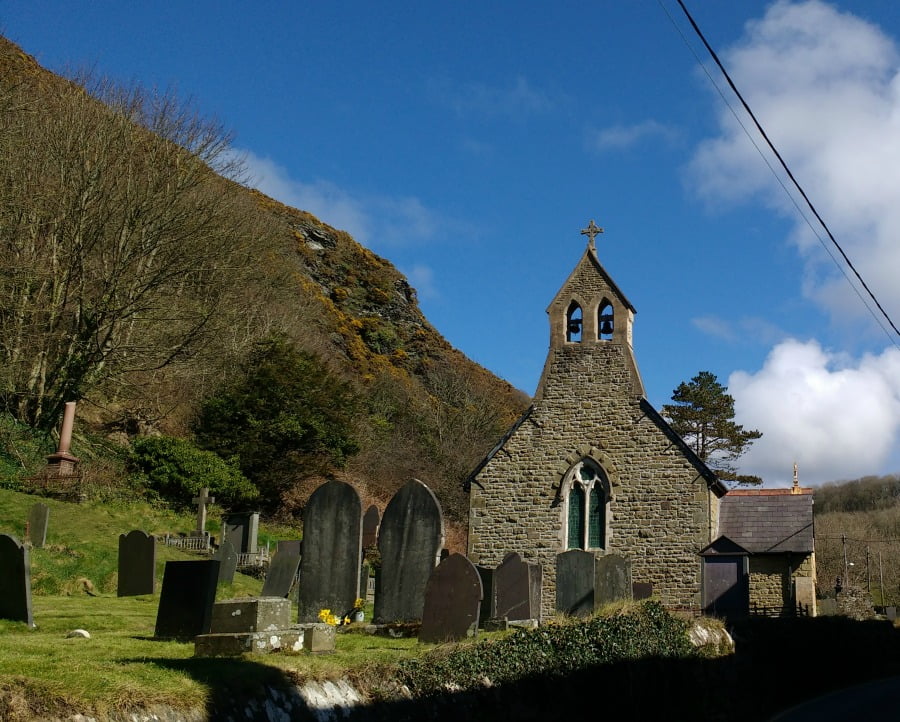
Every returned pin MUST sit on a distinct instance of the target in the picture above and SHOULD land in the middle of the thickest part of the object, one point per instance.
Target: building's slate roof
(768, 521)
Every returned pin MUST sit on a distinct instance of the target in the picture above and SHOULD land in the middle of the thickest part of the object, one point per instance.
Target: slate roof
(768, 521)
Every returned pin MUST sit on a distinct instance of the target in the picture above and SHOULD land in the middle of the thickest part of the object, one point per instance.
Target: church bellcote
(590, 308)
(590, 318)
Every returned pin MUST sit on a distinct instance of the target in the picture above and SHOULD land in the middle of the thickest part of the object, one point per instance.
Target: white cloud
(373, 220)
(836, 417)
(825, 86)
(618, 137)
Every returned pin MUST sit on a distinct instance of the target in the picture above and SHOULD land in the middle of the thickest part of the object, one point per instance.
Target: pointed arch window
(586, 492)
(605, 321)
(574, 323)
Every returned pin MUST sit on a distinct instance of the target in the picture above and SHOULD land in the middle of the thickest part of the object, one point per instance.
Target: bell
(606, 328)
(574, 325)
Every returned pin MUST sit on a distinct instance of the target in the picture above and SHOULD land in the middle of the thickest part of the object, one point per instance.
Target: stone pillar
(63, 463)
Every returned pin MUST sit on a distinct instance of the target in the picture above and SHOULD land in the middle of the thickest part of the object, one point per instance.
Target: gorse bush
(177, 470)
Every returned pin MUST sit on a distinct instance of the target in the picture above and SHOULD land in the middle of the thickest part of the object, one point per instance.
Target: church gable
(591, 466)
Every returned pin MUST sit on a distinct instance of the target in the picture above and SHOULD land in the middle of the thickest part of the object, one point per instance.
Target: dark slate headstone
(281, 575)
(409, 541)
(488, 601)
(137, 564)
(242, 530)
(371, 520)
(15, 571)
(452, 601)
(289, 546)
(186, 599)
(228, 560)
(575, 579)
(641, 590)
(517, 588)
(613, 580)
(332, 551)
(38, 518)
(890, 613)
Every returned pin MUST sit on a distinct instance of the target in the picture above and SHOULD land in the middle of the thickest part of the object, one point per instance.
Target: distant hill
(140, 347)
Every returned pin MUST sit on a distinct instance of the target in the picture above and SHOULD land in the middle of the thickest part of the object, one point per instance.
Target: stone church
(591, 465)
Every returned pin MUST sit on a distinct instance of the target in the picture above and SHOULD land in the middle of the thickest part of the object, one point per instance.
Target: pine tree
(703, 415)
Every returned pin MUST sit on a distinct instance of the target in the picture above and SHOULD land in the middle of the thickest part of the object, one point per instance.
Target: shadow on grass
(777, 663)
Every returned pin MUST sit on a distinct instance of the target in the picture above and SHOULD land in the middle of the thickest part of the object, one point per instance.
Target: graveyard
(96, 647)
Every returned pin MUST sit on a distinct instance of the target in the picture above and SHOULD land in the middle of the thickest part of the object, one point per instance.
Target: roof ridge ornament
(591, 231)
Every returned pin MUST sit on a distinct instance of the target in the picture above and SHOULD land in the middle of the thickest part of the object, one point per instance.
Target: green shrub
(177, 470)
(645, 630)
(285, 417)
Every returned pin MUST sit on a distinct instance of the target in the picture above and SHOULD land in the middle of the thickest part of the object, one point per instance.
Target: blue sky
(469, 143)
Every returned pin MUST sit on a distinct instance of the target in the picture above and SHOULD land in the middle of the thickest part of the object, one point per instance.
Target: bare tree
(120, 237)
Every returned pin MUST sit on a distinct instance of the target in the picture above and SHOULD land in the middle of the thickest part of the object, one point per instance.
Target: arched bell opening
(574, 323)
(605, 320)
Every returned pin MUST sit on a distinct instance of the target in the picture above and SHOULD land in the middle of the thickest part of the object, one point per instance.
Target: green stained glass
(576, 518)
(595, 518)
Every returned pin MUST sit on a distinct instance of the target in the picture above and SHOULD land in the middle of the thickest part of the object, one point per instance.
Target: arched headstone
(452, 601)
(332, 551)
(409, 543)
(137, 564)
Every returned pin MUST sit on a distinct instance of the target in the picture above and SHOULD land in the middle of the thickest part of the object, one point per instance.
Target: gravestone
(371, 520)
(452, 601)
(576, 576)
(282, 574)
(242, 530)
(228, 560)
(186, 599)
(38, 518)
(15, 571)
(289, 546)
(137, 564)
(332, 551)
(517, 588)
(488, 601)
(410, 538)
(613, 580)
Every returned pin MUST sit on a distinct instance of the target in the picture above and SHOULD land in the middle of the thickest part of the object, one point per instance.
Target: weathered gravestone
(228, 559)
(517, 588)
(15, 571)
(641, 590)
(371, 520)
(289, 546)
(242, 530)
(137, 564)
(282, 574)
(410, 538)
(332, 551)
(38, 518)
(613, 580)
(576, 575)
(186, 599)
(452, 601)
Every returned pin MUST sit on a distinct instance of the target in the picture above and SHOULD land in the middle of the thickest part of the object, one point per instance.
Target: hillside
(137, 274)
(857, 528)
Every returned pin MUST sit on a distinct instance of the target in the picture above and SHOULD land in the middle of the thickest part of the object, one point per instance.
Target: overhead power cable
(790, 175)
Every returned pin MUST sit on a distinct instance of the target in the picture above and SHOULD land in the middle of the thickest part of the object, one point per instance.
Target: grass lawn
(74, 579)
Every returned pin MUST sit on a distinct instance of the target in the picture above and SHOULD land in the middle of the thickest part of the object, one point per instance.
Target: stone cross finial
(201, 502)
(591, 231)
